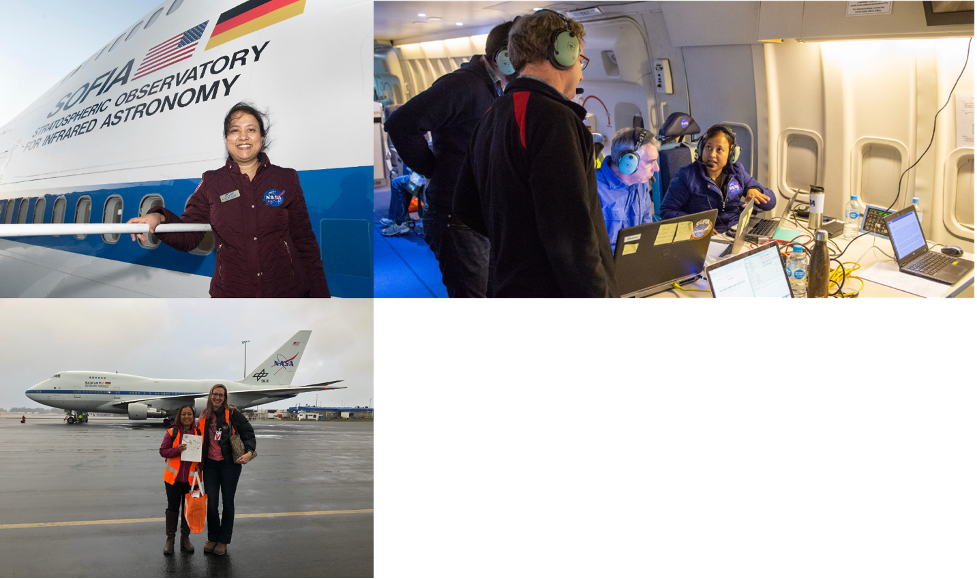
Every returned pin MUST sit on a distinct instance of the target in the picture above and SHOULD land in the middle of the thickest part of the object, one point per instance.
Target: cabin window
(152, 19)
(116, 42)
(147, 203)
(22, 213)
(174, 7)
(133, 31)
(609, 60)
(8, 217)
(101, 51)
(3, 210)
(964, 206)
(83, 213)
(206, 244)
(57, 213)
(112, 213)
(39, 210)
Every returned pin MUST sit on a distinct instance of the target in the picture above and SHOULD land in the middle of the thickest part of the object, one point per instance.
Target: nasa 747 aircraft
(142, 398)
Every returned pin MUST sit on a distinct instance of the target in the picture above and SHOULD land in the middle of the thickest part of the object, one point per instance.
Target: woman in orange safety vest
(177, 476)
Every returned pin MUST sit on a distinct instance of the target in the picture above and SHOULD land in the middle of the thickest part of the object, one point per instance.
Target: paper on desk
(888, 274)
(665, 234)
(715, 249)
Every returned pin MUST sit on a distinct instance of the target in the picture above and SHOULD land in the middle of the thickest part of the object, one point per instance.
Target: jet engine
(138, 411)
(199, 405)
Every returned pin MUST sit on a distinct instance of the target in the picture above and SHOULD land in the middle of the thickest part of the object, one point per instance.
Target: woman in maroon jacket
(176, 477)
(265, 243)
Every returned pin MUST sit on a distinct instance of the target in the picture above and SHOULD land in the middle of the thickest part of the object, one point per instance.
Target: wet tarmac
(110, 470)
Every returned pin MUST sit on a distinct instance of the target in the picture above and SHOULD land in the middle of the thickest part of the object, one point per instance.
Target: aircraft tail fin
(280, 367)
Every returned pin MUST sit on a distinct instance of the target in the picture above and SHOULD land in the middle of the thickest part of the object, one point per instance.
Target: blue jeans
(400, 197)
(220, 480)
(462, 254)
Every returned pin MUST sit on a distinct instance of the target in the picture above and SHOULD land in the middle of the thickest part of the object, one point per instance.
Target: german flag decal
(252, 16)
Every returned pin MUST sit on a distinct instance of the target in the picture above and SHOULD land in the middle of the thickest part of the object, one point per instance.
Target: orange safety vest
(202, 426)
(173, 465)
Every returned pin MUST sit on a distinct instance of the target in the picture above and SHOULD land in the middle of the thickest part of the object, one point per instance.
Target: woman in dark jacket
(264, 239)
(176, 477)
(221, 472)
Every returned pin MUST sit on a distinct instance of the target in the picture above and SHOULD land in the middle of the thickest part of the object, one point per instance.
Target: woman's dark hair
(180, 410)
(263, 125)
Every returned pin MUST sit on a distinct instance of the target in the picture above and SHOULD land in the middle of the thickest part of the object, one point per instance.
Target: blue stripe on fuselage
(339, 200)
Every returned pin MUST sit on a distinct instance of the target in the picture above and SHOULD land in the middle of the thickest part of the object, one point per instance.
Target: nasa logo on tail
(283, 362)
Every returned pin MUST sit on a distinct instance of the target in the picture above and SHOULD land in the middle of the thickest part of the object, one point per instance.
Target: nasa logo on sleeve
(734, 187)
(274, 197)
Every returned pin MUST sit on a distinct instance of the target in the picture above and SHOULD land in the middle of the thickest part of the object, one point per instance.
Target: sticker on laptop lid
(629, 238)
(683, 232)
(701, 229)
(630, 248)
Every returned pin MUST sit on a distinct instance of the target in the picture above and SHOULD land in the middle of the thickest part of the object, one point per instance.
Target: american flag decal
(171, 51)
(296, 343)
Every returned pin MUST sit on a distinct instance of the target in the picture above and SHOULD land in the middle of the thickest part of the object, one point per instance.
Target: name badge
(228, 196)
(217, 436)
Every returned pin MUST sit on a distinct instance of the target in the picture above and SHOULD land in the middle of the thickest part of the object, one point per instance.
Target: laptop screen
(756, 273)
(906, 234)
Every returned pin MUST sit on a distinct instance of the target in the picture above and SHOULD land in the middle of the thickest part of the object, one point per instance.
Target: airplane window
(206, 244)
(57, 213)
(9, 217)
(39, 210)
(112, 213)
(153, 18)
(116, 42)
(3, 209)
(101, 51)
(147, 203)
(22, 214)
(176, 6)
(83, 212)
(134, 29)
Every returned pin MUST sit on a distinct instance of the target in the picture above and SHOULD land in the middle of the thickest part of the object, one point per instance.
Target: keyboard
(930, 263)
(763, 227)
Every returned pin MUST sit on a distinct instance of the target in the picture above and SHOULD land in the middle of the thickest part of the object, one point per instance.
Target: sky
(186, 338)
(43, 40)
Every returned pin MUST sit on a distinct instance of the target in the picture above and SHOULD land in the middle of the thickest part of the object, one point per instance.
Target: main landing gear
(73, 416)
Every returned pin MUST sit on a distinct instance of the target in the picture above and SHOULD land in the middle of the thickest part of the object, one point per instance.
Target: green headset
(627, 161)
(564, 48)
(734, 149)
(501, 59)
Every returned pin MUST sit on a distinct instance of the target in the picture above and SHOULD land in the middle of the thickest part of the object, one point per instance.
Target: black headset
(734, 149)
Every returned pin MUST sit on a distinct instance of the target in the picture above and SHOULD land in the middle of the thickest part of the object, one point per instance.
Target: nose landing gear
(73, 416)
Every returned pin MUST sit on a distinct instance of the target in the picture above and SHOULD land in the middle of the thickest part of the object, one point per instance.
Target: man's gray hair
(631, 138)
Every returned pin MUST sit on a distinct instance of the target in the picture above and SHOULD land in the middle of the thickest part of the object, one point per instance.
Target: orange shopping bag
(195, 505)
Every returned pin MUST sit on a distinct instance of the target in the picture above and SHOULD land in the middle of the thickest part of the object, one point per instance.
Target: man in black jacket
(450, 109)
(529, 181)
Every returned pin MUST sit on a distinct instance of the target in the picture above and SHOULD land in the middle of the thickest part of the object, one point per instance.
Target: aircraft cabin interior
(872, 100)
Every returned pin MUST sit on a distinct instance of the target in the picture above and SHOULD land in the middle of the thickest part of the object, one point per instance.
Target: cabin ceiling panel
(399, 21)
(711, 23)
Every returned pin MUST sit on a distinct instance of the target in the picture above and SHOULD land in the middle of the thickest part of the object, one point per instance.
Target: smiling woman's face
(217, 398)
(243, 138)
(186, 417)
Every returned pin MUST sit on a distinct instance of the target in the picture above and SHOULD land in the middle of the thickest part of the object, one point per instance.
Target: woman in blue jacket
(716, 181)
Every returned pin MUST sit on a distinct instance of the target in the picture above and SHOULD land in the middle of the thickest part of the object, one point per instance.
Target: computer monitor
(756, 273)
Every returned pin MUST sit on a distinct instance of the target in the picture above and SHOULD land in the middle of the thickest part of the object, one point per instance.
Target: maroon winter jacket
(264, 240)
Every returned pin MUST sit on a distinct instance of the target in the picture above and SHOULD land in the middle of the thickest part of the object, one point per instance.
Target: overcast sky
(185, 338)
(43, 40)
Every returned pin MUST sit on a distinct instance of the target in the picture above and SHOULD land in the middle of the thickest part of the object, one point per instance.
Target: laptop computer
(769, 227)
(914, 256)
(755, 273)
(650, 258)
(741, 226)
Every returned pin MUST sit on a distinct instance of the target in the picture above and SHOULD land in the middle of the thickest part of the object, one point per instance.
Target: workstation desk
(866, 250)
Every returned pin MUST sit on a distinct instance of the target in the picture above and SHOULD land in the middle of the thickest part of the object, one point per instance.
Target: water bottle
(852, 213)
(820, 269)
(919, 211)
(797, 272)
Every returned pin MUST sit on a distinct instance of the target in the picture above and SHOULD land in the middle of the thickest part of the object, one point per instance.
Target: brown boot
(170, 532)
(185, 535)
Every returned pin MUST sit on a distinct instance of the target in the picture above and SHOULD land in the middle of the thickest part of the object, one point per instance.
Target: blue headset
(627, 161)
